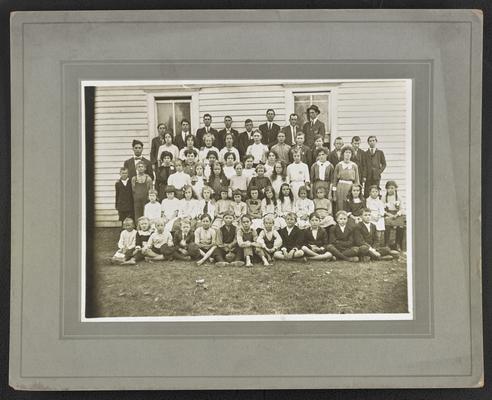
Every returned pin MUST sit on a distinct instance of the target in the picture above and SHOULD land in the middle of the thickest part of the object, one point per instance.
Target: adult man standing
(207, 121)
(290, 131)
(245, 138)
(156, 142)
(269, 129)
(376, 164)
(314, 127)
(223, 132)
(130, 164)
(180, 138)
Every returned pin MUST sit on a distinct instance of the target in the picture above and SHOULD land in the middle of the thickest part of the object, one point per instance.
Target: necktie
(269, 126)
(372, 151)
(205, 208)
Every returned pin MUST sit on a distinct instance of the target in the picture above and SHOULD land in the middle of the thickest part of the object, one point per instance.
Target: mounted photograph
(247, 200)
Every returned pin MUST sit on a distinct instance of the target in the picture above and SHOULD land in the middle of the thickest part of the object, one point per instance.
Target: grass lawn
(170, 288)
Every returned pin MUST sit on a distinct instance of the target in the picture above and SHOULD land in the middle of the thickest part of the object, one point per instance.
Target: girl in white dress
(286, 201)
(269, 206)
(303, 207)
(279, 177)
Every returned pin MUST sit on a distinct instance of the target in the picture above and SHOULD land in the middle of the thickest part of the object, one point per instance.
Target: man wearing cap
(313, 127)
(156, 143)
(130, 164)
(201, 132)
(269, 129)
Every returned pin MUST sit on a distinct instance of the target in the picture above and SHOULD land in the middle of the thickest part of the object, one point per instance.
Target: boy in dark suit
(131, 163)
(336, 155)
(156, 143)
(201, 132)
(342, 243)
(292, 239)
(300, 147)
(376, 164)
(314, 127)
(359, 157)
(227, 130)
(315, 240)
(269, 130)
(366, 239)
(123, 196)
(184, 242)
(245, 138)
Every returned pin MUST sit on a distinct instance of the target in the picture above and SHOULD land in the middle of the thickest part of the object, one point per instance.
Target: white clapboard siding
(380, 109)
(362, 108)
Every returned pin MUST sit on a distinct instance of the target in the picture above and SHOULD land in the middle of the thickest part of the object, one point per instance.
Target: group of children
(272, 202)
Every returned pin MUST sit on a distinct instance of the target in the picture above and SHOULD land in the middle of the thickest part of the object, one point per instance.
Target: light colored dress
(303, 208)
(324, 210)
(377, 212)
(299, 176)
(345, 175)
(277, 183)
(273, 210)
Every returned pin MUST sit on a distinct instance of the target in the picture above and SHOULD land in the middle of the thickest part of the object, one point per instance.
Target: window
(171, 111)
(302, 100)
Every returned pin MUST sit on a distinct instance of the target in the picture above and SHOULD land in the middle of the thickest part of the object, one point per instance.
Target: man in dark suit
(269, 129)
(156, 143)
(245, 138)
(223, 132)
(129, 164)
(359, 157)
(314, 127)
(291, 130)
(180, 138)
(376, 164)
(207, 121)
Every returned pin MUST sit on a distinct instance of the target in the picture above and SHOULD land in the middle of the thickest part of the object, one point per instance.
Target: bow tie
(138, 158)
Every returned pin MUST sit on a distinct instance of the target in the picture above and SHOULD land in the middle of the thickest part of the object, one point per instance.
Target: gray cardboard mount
(52, 52)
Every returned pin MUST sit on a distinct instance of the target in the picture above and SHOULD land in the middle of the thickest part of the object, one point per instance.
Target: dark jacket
(201, 132)
(365, 237)
(123, 196)
(221, 138)
(311, 132)
(243, 143)
(321, 239)
(361, 160)
(287, 130)
(342, 240)
(130, 166)
(269, 136)
(376, 164)
(295, 239)
(177, 236)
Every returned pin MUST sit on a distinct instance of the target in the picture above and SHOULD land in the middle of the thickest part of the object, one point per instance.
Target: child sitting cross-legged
(126, 244)
(341, 241)
(269, 238)
(366, 239)
(316, 240)
(246, 240)
(184, 242)
(226, 251)
(143, 235)
(205, 239)
(292, 239)
(160, 245)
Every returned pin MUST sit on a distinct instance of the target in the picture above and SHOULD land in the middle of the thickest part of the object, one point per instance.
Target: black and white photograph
(257, 199)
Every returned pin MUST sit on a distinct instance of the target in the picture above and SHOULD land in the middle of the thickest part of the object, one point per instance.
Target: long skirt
(343, 190)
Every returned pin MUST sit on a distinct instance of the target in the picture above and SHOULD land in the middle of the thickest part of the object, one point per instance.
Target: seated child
(323, 207)
(269, 206)
(206, 205)
(253, 205)
(143, 234)
(246, 240)
(285, 201)
(303, 207)
(223, 205)
(205, 239)
(184, 242)
(366, 239)
(189, 208)
(269, 239)
(126, 244)
(394, 220)
(341, 241)
(226, 251)
(354, 204)
(170, 207)
(249, 170)
(239, 181)
(292, 239)
(179, 179)
(152, 210)
(198, 181)
(316, 240)
(376, 205)
(259, 181)
(230, 159)
(239, 207)
(160, 245)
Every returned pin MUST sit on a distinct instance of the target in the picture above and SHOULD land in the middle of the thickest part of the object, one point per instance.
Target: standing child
(322, 207)
(160, 245)
(253, 204)
(354, 204)
(303, 208)
(279, 176)
(247, 242)
(319, 146)
(269, 206)
(143, 235)
(249, 169)
(286, 201)
(376, 205)
(375, 164)
(239, 207)
(292, 239)
(184, 243)
(302, 149)
(189, 209)
(223, 205)
(209, 163)
(141, 184)
(217, 180)
(298, 173)
(162, 174)
(179, 179)
(394, 220)
(322, 172)
(335, 155)
(342, 241)
(345, 175)
(189, 163)
(207, 204)
(198, 181)
(230, 160)
(126, 244)
(226, 252)
(260, 181)
(152, 209)
(270, 163)
(205, 239)
(123, 196)
(269, 239)
(316, 240)
(281, 149)
(239, 181)
(257, 149)
(168, 146)
(367, 240)
(170, 207)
